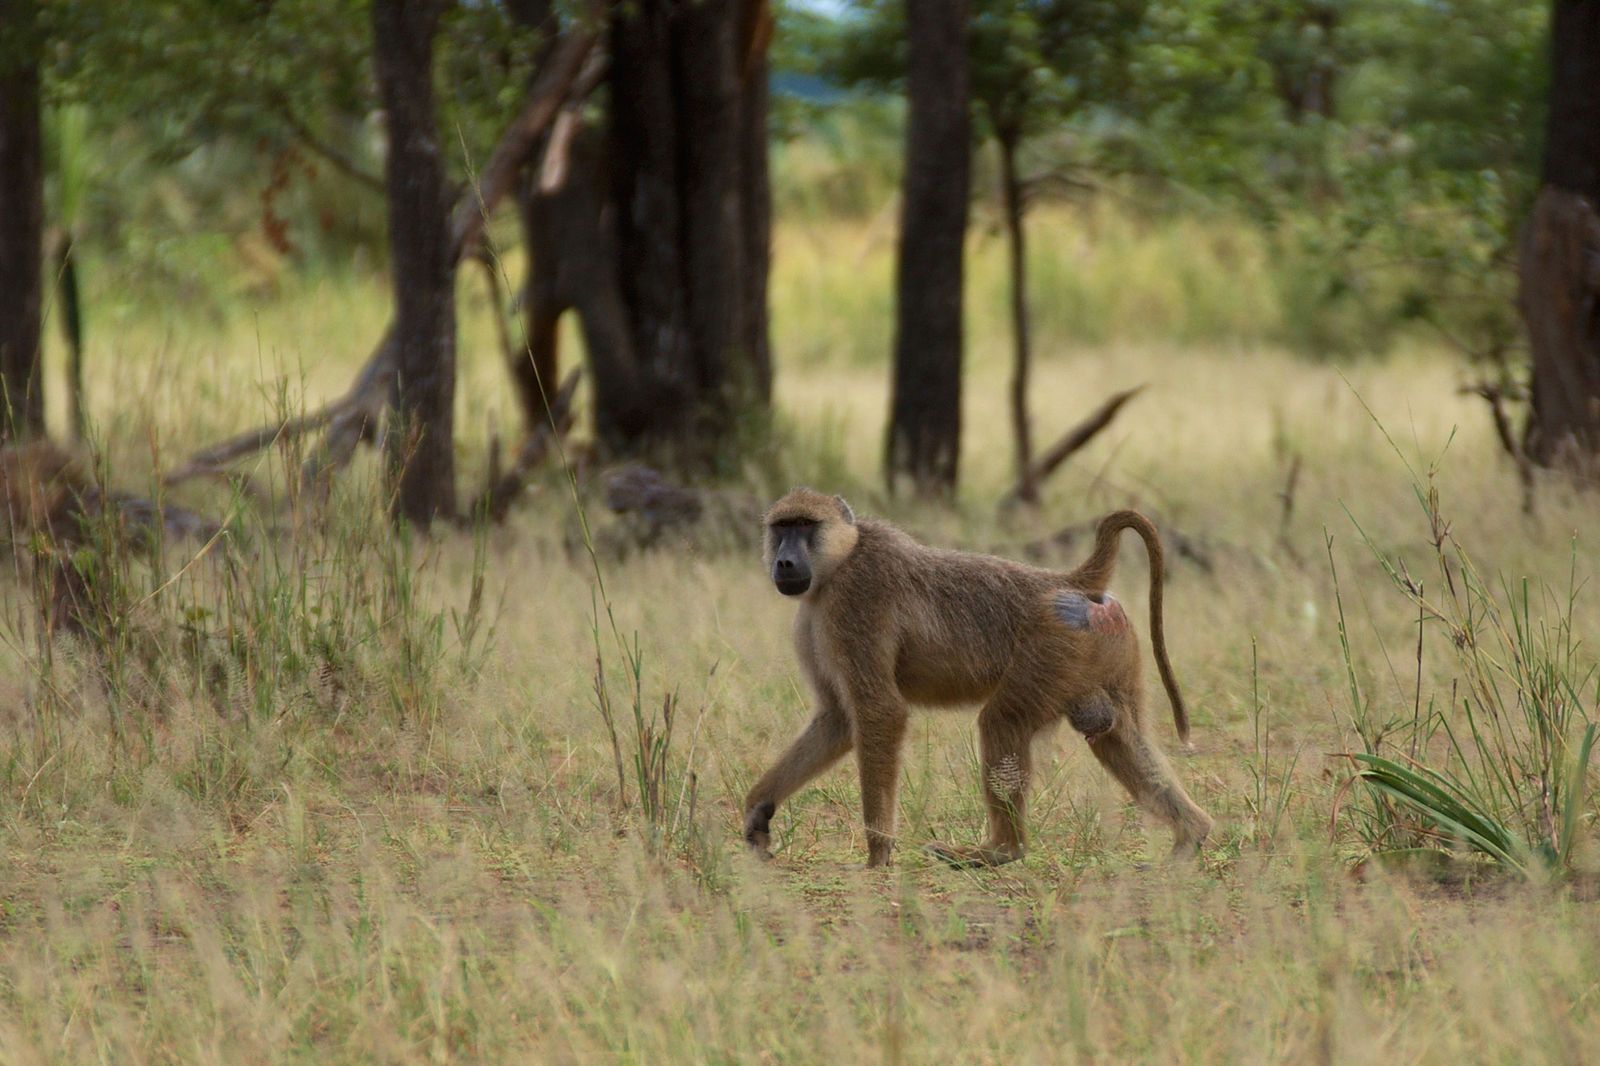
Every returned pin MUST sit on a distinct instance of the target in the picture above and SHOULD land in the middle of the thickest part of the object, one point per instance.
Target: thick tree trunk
(925, 413)
(755, 196)
(1021, 429)
(644, 148)
(689, 197)
(422, 262)
(1560, 254)
(21, 222)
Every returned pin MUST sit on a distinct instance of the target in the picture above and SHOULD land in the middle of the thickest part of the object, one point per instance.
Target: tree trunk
(755, 195)
(422, 262)
(925, 413)
(573, 266)
(688, 193)
(71, 316)
(1560, 254)
(1011, 201)
(21, 222)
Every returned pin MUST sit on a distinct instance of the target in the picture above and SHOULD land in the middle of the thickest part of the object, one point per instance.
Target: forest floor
(344, 800)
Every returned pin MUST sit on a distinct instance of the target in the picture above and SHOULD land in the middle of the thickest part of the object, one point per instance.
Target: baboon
(886, 622)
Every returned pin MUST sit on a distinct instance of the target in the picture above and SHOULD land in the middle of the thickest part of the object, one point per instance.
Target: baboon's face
(808, 534)
(789, 545)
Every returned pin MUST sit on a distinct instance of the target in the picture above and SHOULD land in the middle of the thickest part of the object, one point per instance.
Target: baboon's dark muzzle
(791, 573)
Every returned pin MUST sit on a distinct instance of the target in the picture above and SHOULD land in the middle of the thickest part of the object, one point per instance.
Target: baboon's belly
(953, 676)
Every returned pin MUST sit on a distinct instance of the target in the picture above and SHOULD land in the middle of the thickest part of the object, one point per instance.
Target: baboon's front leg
(821, 744)
(878, 736)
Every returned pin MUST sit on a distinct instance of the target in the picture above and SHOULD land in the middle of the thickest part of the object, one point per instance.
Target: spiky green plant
(1500, 767)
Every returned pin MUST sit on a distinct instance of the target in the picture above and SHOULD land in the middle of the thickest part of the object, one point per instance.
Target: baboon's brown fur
(886, 623)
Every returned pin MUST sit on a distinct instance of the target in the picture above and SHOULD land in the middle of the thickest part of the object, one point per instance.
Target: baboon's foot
(879, 853)
(1186, 847)
(968, 856)
(758, 829)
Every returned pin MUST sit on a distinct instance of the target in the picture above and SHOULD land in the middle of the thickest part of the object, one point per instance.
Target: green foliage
(1389, 151)
(1500, 765)
(251, 129)
(1396, 205)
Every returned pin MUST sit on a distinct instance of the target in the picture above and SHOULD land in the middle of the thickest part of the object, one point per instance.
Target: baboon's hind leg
(1146, 774)
(1006, 728)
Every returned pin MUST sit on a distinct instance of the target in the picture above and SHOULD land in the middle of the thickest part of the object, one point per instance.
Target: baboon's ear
(844, 508)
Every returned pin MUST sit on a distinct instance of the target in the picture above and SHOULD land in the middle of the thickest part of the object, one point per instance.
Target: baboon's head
(808, 535)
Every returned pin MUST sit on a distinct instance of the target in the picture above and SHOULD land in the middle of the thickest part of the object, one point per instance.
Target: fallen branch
(1495, 396)
(1075, 438)
(354, 416)
(558, 149)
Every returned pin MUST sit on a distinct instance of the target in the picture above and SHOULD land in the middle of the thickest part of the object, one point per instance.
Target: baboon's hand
(758, 828)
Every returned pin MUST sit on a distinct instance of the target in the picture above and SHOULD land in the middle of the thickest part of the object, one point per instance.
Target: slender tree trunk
(21, 222)
(423, 262)
(1021, 429)
(925, 411)
(71, 314)
(1560, 254)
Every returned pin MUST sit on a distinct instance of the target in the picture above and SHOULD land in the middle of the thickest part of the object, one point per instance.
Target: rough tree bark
(1560, 254)
(925, 412)
(21, 222)
(422, 261)
(688, 194)
(656, 234)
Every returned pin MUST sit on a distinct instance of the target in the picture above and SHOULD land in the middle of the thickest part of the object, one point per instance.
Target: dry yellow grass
(439, 870)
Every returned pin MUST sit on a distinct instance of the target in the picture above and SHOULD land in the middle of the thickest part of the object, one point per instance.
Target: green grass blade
(1573, 801)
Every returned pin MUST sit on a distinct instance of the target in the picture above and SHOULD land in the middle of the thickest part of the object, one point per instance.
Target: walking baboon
(886, 622)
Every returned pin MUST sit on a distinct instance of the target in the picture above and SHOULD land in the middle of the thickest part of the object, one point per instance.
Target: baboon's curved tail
(1095, 574)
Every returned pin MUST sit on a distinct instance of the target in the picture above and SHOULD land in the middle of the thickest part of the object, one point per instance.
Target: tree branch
(1075, 438)
(352, 417)
(327, 152)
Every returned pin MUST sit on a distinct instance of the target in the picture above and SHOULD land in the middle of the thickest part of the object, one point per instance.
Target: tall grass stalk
(1501, 766)
(652, 759)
